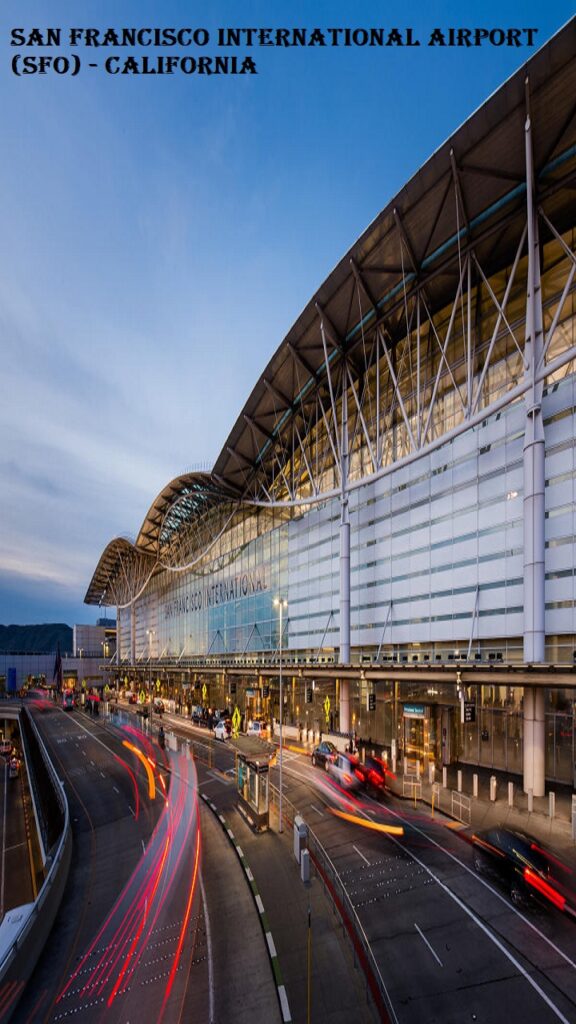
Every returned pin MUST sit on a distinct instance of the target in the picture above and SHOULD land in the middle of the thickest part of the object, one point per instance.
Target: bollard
(459, 780)
(530, 801)
(444, 777)
(510, 794)
(493, 784)
(574, 817)
(431, 773)
(475, 785)
(300, 832)
(552, 804)
(305, 865)
(394, 763)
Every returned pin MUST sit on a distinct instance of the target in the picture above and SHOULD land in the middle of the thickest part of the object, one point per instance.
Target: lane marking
(271, 945)
(423, 937)
(102, 774)
(130, 809)
(483, 928)
(360, 854)
(321, 813)
(115, 789)
(211, 1015)
(482, 881)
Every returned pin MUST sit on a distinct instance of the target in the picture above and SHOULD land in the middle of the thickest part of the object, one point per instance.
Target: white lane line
(102, 774)
(131, 811)
(482, 881)
(143, 847)
(271, 945)
(15, 847)
(484, 928)
(423, 937)
(211, 1016)
(321, 813)
(115, 790)
(93, 762)
(360, 854)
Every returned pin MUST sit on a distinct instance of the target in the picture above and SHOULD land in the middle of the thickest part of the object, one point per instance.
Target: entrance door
(446, 734)
(414, 738)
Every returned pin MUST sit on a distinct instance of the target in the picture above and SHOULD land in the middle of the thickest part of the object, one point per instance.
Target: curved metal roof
(413, 238)
(411, 242)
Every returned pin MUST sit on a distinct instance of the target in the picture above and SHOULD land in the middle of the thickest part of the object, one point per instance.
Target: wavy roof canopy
(485, 160)
(412, 242)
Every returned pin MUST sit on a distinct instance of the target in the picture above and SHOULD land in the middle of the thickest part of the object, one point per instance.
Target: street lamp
(150, 633)
(280, 604)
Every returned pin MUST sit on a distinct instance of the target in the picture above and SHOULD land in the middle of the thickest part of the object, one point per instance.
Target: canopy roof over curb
(411, 242)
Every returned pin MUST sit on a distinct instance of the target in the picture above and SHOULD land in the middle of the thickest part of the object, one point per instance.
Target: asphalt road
(449, 943)
(146, 934)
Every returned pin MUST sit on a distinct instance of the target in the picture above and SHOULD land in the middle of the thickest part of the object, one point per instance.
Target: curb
(274, 962)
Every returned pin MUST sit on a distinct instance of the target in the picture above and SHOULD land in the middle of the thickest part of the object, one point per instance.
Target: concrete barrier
(25, 930)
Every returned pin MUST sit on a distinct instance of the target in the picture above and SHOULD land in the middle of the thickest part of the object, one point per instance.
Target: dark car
(525, 867)
(323, 753)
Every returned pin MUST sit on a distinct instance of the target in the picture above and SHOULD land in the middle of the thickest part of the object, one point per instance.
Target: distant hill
(36, 639)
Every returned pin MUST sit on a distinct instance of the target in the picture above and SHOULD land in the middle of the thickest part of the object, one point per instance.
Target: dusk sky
(160, 235)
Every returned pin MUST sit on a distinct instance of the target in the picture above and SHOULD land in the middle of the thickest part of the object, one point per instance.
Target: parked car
(525, 867)
(323, 753)
(221, 729)
(257, 728)
(343, 768)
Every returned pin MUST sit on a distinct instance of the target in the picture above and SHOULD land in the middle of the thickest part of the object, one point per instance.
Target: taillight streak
(184, 927)
(547, 890)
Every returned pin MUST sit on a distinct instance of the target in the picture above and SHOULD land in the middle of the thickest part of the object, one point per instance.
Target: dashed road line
(280, 987)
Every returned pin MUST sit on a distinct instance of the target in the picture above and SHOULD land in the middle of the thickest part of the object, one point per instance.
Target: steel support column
(534, 741)
(534, 447)
(132, 632)
(344, 533)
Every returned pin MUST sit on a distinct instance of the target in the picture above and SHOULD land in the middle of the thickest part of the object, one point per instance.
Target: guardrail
(343, 905)
(19, 959)
(461, 807)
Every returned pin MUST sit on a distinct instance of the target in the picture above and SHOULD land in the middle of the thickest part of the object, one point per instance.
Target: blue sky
(160, 235)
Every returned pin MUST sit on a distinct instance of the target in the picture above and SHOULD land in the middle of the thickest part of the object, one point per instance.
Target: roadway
(449, 943)
(137, 937)
(132, 940)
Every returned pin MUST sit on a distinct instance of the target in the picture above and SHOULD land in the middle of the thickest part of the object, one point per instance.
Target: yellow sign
(327, 709)
(235, 721)
(204, 691)
(158, 685)
(125, 680)
(142, 696)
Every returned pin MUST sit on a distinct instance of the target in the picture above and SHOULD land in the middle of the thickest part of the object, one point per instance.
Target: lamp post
(150, 633)
(281, 605)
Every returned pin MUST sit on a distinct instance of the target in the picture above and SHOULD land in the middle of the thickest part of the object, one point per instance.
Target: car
(257, 728)
(158, 705)
(5, 748)
(524, 866)
(132, 698)
(221, 729)
(372, 774)
(343, 768)
(323, 753)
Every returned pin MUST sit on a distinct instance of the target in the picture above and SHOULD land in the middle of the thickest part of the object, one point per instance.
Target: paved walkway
(555, 831)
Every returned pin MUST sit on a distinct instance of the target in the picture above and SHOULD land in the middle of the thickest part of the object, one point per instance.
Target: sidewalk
(485, 813)
(316, 963)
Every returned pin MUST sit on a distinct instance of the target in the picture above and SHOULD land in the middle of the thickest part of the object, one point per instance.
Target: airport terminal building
(401, 477)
